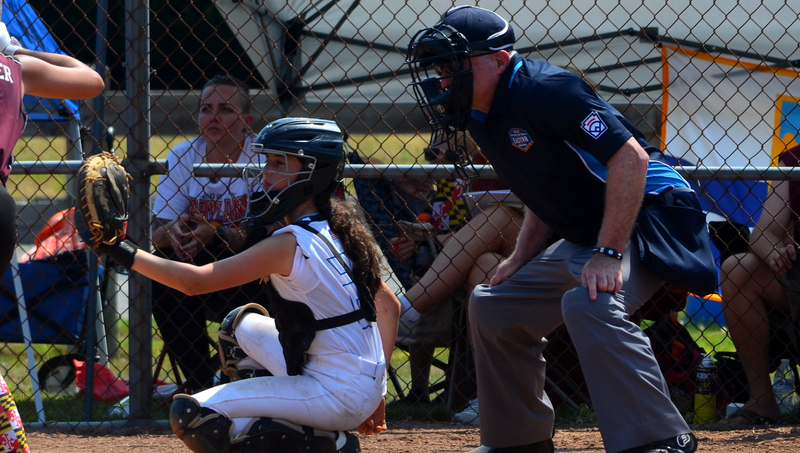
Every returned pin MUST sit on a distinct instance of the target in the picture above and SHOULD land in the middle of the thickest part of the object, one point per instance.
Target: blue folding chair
(47, 301)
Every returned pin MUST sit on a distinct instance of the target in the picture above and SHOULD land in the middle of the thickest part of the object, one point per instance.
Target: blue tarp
(24, 24)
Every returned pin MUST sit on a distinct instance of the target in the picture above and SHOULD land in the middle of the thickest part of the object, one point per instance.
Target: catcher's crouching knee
(230, 353)
(201, 429)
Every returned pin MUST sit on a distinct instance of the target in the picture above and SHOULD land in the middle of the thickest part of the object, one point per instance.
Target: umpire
(583, 172)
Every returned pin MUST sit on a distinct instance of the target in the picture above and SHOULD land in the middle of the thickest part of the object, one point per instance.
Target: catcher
(313, 368)
(22, 72)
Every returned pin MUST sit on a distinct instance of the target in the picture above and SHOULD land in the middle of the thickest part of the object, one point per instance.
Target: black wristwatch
(609, 252)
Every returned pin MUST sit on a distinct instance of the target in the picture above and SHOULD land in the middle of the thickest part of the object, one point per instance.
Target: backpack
(676, 352)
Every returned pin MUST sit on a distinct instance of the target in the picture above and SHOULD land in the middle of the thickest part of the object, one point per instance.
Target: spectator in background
(197, 220)
(473, 243)
(39, 74)
(762, 285)
(471, 250)
(386, 202)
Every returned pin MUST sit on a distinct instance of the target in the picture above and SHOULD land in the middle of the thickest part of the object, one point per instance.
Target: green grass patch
(14, 364)
(713, 338)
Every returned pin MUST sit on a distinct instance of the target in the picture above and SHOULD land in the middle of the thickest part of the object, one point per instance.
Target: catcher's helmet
(319, 146)
(442, 52)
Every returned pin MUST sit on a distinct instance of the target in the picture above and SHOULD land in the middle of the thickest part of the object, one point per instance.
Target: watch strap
(609, 252)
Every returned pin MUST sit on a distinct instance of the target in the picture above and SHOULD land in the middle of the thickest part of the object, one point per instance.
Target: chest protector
(295, 321)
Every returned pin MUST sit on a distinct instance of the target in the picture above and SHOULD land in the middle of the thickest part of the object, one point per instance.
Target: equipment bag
(674, 242)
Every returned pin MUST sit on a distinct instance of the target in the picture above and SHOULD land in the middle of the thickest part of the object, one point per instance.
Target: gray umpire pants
(509, 324)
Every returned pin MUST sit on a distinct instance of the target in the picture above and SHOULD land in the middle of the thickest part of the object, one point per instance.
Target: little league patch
(594, 125)
(520, 138)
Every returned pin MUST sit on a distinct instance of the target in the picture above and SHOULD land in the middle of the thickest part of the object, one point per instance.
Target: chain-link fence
(715, 85)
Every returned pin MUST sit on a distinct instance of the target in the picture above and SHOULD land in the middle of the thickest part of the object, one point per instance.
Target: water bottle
(783, 387)
(705, 394)
(120, 409)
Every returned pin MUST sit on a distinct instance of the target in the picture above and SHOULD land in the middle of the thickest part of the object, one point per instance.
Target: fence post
(137, 89)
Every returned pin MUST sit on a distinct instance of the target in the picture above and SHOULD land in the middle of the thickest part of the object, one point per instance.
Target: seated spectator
(197, 220)
(385, 202)
(470, 253)
(470, 249)
(756, 287)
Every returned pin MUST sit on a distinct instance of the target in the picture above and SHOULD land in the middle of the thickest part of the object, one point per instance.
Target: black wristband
(609, 252)
(123, 253)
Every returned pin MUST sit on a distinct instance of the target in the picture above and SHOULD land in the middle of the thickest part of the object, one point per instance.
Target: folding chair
(384, 210)
(48, 301)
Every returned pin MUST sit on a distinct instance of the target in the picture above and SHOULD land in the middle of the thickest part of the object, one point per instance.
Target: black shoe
(347, 443)
(684, 443)
(200, 428)
(545, 446)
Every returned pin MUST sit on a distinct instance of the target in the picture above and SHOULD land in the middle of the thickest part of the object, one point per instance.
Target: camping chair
(387, 212)
(51, 301)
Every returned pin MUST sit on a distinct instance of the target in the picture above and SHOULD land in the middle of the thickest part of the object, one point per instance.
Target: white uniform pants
(334, 393)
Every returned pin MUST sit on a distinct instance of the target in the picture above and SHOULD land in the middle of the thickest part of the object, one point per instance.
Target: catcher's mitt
(101, 210)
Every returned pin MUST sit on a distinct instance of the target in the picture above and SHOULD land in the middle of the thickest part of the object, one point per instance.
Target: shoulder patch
(520, 138)
(594, 125)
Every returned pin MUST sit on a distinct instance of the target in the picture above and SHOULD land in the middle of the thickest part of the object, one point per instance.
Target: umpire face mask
(441, 74)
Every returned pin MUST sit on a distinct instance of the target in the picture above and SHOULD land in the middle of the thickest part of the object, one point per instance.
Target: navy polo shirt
(549, 137)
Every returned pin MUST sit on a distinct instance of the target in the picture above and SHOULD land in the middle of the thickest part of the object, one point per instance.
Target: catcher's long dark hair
(359, 245)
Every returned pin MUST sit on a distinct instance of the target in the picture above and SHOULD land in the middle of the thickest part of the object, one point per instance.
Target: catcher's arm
(388, 317)
(274, 255)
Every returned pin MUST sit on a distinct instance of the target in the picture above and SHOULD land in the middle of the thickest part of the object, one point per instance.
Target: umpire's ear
(501, 59)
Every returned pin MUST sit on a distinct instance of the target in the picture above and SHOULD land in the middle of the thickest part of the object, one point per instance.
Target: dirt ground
(414, 437)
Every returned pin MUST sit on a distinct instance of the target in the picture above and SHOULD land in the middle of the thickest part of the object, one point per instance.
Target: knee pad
(201, 429)
(263, 435)
(230, 353)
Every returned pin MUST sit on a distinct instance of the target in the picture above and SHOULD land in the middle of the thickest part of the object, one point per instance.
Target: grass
(63, 408)
(712, 338)
(13, 361)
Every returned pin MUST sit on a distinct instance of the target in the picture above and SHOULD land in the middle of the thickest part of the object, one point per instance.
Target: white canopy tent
(334, 57)
(345, 59)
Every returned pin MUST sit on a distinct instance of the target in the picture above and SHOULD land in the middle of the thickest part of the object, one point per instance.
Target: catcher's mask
(442, 53)
(316, 143)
